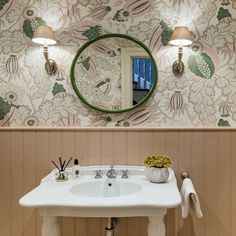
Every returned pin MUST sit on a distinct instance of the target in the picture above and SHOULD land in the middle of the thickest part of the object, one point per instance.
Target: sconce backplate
(178, 68)
(51, 67)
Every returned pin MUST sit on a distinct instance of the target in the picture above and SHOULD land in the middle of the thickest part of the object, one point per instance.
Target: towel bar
(184, 175)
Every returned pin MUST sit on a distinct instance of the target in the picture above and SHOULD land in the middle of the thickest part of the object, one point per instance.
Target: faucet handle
(124, 174)
(98, 174)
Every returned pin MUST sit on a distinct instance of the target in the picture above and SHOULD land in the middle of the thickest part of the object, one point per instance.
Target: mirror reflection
(113, 74)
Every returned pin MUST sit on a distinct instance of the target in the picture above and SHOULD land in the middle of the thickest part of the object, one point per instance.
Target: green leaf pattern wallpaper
(205, 96)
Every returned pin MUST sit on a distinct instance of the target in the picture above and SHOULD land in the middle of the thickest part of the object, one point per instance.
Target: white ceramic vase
(157, 175)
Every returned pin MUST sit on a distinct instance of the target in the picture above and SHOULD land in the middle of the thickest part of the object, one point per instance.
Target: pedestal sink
(90, 197)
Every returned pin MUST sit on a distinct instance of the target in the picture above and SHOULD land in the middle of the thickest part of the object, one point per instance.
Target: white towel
(190, 199)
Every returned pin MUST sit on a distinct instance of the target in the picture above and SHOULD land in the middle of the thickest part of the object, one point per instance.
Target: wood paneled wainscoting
(209, 156)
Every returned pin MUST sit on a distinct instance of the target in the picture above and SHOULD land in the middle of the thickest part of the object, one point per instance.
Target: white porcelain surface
(157, 175)
(107, 188)
(88, 196)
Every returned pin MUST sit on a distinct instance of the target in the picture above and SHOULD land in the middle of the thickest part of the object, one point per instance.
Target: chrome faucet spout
(111, 174)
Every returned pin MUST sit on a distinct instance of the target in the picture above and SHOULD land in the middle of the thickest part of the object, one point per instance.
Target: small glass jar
(62, 176)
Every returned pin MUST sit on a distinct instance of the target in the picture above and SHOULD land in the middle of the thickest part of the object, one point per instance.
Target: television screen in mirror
(113, 73)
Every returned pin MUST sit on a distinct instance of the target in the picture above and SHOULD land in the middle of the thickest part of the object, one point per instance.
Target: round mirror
(114, 73)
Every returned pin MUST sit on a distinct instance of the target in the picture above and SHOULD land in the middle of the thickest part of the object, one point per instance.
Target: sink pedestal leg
(156, 226)
(51, 226)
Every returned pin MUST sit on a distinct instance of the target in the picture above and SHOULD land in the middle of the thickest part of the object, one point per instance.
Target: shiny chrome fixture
(98, 174)
(124, 174)
(111, 174)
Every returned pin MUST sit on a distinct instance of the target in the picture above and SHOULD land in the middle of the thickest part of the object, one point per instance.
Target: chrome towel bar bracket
(184, 175)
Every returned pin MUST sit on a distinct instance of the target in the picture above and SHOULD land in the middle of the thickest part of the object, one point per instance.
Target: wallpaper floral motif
(98, 72)
(205, 96)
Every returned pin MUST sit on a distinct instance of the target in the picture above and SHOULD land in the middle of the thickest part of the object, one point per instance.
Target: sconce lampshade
(44, 35)
(181, 36)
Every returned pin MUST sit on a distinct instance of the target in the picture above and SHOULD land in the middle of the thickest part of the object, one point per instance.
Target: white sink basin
(90, 197)
(96, 194)
(107, 188)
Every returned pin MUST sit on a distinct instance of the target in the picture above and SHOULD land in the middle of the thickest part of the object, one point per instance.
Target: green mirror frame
(72, 72)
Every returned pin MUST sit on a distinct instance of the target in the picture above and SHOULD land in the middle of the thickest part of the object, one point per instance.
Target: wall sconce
(181, 36)
(45, 36)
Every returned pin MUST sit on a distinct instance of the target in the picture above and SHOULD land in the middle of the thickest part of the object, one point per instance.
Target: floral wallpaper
(205, 96)
(98, 72)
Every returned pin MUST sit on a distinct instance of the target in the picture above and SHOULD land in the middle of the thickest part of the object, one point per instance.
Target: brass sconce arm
(178, 66)
(45, 36)
(50, 65)
(45, 53)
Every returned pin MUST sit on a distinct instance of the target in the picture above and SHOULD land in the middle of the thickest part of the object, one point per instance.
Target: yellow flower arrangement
(157, 161)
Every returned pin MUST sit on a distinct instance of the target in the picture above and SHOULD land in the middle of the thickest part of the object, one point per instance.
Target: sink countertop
(56, 194)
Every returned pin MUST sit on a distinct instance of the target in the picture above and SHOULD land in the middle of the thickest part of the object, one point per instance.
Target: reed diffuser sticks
(63, 164)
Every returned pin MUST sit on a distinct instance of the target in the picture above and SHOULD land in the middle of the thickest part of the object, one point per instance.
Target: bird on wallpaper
(104, 49)
(86, 30)
(134, 118)
(98, 13)
(104, 85)
(88, 66)
(160, 37)
(133, 8)
(86, 63)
